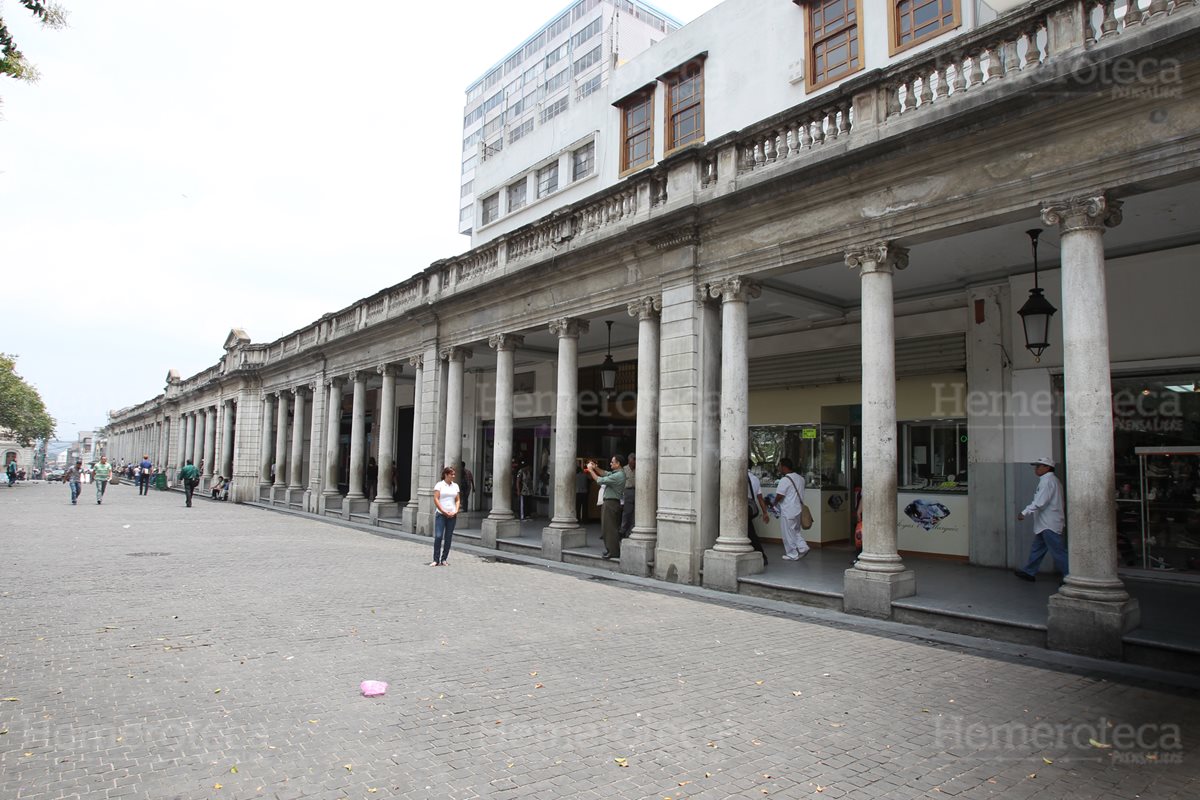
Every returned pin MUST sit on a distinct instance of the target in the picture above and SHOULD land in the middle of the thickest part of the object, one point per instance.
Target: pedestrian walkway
(154, 651)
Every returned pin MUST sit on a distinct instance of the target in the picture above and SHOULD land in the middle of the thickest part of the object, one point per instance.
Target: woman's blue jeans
(443, 532)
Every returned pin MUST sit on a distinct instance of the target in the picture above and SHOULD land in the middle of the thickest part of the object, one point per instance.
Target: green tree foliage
(12, 60)
(22, 411)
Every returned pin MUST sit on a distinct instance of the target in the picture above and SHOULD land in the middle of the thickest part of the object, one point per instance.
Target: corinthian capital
(569, 327)
(388, 370)
(645, 308)
(1084, 213)
(505, 341)
(417, 361)
(882, 256)
(456, 353)
(736, 288)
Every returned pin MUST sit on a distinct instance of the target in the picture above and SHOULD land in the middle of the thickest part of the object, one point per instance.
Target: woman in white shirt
(447, 500)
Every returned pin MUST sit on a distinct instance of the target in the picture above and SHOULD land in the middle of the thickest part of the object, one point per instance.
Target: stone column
(210, 441)
(267, 458)
(1091, 611)
(384, 505)
(413, 507)
(198, 444)
(878, 576)
(227, 440)
(181, 422)
(189, 453)
(731, 556)
(316, 453)
(333, 421)
(455, 362)
(164, 445)
(358, 436)
(564, 532)
(281, 431)
(637, 552)
(500, 522)
(296, 462)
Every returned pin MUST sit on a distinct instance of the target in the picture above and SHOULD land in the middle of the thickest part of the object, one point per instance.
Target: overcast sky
(187, 167)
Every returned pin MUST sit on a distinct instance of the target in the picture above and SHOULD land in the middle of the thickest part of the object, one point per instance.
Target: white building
(516, 109)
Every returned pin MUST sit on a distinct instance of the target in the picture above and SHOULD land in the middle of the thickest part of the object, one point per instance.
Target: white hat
(1047, 462)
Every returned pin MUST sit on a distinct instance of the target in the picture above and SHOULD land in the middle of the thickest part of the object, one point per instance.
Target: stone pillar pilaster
(266, 456)
(878, 576)
(455, 362)
(385, 505)
(227, 440)
(358, 436)
(500, 522)
(198, 445)
(1091, 611)
(296, 462)
(281, 432)
(637, 552)
(732, 557)
(210, 441)
(189, 453)
(413, 507)
(333, 421)
(181, 436)
(563, 531)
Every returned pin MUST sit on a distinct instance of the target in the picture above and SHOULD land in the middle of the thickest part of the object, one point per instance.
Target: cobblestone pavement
(153, 651)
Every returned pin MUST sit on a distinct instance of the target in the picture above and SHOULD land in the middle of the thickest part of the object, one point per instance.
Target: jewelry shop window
(801, 443)
(933, 455)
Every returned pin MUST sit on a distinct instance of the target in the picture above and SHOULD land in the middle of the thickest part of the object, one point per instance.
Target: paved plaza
(153, 651)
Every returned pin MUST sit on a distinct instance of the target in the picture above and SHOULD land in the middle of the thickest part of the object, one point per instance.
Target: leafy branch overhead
(22, 412)
(12, 60)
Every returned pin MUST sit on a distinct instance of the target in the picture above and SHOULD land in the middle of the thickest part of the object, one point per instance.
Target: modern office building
(806, 233)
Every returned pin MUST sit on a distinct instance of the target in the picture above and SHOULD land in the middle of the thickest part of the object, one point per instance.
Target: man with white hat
(1049, 521)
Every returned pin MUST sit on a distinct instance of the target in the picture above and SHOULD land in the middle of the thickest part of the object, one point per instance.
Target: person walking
(101, 473)
(73, 477)
(612, 483)
(789, 499)
(190, 477)
(144, 475)
(1049, 522)
(629, 496)
(448, 501)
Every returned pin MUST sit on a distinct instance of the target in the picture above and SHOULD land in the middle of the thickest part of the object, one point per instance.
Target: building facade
(816, 250)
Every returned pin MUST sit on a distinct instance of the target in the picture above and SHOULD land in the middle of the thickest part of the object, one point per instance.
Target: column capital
(417, 361)
(335, 381)
(645, 308)
(881, 256)
(456, 353)
(357, 375)
(505, 341)
(1093, 212)
(569, 327)
(388, 370)
(735, 289)
(313, 386)
(299, 389)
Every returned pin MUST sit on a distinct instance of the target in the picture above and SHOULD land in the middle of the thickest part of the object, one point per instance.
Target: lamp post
(608, 370)
(1037, 311)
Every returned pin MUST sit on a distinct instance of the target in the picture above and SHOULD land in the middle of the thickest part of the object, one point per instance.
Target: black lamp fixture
(1037, 311)
(608, 370)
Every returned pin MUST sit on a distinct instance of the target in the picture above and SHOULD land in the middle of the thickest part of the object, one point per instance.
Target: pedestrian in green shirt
(612, 486)
(101, 473)
(190, 477)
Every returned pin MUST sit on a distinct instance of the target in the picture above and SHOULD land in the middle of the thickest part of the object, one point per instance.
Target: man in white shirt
(789, 499)
(1049, 522)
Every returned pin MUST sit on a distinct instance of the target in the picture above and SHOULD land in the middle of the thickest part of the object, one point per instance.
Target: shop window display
(933, 455)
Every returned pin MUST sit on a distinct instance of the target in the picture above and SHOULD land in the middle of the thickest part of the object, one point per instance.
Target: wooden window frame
(894, 45)
(642, 97)
(810, 81)
(671, 81)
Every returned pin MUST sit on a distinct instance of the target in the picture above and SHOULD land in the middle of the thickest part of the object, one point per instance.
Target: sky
(183, 168)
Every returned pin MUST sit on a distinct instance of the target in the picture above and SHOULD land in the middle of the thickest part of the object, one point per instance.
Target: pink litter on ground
(373, 688)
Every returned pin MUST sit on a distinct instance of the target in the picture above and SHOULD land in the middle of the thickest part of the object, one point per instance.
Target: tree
(22, 411)
(12, 60)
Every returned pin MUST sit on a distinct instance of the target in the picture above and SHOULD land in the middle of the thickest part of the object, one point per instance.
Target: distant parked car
(53, 475)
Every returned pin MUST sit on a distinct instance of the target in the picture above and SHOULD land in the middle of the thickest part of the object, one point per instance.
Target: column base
(637, 557)
(1090, 627)
(493, 529)
(384, 509)
(331, 502)
(294, 496)
(555, 540)
(355, 506)
(408, 518)
(722, 569)
(871, 593)
(279, 494)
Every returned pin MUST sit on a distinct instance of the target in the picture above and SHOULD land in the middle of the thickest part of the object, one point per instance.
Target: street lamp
(1037, 311)
(608, 370)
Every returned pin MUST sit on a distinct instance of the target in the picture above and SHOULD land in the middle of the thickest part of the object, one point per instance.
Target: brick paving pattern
(153, 651)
